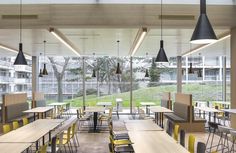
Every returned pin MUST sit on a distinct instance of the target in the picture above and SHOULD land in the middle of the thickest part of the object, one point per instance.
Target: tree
(154, 74)
(59, 75)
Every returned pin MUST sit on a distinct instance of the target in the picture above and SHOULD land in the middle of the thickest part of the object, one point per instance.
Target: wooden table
(158, 110)
(154, 142)
(32, 132)
(209, 110)
(142, 125)
(39, 110)
(95, 111)
(104, 104)
(147, 105)
(14, 147)
(231, 111)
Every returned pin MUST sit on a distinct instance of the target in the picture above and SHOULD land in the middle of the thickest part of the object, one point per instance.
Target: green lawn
(153, 94)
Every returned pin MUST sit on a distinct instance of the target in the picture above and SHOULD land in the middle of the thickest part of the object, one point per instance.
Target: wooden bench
(184, 115)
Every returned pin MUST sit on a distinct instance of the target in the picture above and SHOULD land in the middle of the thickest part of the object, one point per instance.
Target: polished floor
(98, 142)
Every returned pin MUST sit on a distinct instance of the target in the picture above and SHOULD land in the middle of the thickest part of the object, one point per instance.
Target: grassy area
(153, 94)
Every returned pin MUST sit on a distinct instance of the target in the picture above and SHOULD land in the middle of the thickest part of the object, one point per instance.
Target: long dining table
(14, 147)
(32, 132)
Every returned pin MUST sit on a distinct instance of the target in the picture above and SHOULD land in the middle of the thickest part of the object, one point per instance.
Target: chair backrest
(25, 121)
(182, 110)
(182, 137)
(68, 134)
(16, 110)
(6, 128)
(176, 132)
(191, 143)
(73, 129)
(201, 147)
(15, 125)
(43, 149)
(166, 124)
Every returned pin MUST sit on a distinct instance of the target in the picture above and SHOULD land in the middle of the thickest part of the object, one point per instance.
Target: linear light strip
(205, 46)
(13, 50)
(64, 40)
(138, 41)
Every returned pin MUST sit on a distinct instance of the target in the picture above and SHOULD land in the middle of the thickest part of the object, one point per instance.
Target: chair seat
(124, 149)
(122, 142)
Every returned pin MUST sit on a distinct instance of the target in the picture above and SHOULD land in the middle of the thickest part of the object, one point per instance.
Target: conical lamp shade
(203, 32)
(161, 56)
(45, 72)
(146, 74)
(40, 73)
(190, 70)
(94, 73)
(118, 70)
(199, 74)
(20, 59)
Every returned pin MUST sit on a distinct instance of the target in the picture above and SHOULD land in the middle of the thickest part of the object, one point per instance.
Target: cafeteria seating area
(117, 76)
(180, 126)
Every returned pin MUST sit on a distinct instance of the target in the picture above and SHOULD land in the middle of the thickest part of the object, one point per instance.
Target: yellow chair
(176, 132)
(42, 149)
(125, 144)
(15, 125)
(6, 128)
(25, 121)
(191, 143)
(65, 140)
(105, 117)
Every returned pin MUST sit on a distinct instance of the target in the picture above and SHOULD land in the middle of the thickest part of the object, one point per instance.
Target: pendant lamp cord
(44, 45)
(161, 19)
(20, 20)
(118, 49)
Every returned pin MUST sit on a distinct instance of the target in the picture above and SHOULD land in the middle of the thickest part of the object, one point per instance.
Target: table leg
(214, 117)
(53, 146)
(34, 116)
(146, 109)
(156, 119)
(209, 116)
(43, 140)
(162, 118)
(37, 145)
(95, 118)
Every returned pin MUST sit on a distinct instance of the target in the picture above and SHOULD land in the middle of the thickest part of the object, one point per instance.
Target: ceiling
(95, 28)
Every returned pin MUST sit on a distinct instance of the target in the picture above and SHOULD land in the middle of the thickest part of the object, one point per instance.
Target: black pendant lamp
(40, 73)
(118, 70)
(190, 70)
(203, 32)
(146, 74)
(20, 58)
(94, 73)
(161, 56)
(45, 72)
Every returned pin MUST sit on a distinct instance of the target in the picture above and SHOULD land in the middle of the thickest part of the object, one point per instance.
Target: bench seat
(173, 117)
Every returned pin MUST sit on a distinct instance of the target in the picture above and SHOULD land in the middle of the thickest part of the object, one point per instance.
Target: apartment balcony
(22, 81)
(5, 79)
(6, 65)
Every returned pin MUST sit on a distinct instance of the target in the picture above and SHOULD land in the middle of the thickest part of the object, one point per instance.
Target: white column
(224, 77)
(179, 74)
(35, 71)
(233, 74)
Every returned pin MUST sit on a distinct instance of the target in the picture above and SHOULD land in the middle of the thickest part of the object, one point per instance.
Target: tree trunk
(59, 90)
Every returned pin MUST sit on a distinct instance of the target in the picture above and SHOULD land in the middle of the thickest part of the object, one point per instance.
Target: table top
(14, 147)
(142, 125)
(31, 132)
(57, 104)
(208, 109)
(104, 104)
(222, 102)
(38, 110)
(94, 109)
(119, 100)
(147, 104)
(232, 111)
(159, 109)
(154, 141)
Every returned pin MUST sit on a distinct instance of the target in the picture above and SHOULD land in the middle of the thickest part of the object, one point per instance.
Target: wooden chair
(105, 117)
